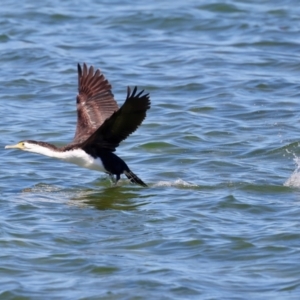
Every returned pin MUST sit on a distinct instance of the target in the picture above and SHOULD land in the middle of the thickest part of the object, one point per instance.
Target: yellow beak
(17, 146)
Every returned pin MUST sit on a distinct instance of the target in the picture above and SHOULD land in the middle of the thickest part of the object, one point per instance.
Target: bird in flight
(101, 127)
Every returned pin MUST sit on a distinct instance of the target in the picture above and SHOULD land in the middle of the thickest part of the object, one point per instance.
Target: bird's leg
(115, 179)
(118, 176)
(112, 178)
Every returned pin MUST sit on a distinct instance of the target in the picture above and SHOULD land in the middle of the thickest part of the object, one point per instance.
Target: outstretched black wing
(122, 122)
(95, 102)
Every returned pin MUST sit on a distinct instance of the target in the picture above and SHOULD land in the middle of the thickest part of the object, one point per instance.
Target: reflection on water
(120, 198)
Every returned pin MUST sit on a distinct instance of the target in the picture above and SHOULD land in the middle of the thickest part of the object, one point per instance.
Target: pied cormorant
(101, 126)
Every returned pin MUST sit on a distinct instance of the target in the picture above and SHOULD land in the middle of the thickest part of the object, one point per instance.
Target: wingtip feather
(79, 69)
(85, 69)
(128, 92)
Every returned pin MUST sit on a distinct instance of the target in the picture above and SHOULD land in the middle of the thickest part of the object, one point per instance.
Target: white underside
(76, 156)
(82, 159)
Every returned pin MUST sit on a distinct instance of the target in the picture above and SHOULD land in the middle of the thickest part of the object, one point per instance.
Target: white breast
(82, 159)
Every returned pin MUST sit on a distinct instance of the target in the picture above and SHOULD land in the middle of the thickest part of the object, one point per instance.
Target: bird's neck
(46, 149)
(72, 155)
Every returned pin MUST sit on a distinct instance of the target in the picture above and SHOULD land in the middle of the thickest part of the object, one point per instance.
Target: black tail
(134, 179)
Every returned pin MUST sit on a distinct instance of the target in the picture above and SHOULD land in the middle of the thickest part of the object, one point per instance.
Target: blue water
(219, 150)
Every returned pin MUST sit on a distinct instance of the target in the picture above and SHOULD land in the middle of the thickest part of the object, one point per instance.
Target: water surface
(219, 149)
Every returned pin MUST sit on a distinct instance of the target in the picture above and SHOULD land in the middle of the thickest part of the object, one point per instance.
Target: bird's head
(30, 146)
(23, 145)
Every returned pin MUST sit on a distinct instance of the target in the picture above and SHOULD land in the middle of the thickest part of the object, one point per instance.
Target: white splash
(177, 183)
(294, 179)
(42, 188)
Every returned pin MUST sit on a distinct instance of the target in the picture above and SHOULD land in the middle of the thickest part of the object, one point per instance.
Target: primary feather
(95, 102)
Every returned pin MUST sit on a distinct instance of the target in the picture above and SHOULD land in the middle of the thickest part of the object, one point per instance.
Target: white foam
(177, 183)
(294, 179)
(41, 188)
